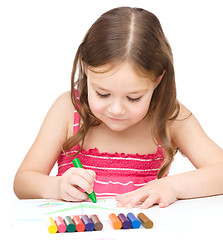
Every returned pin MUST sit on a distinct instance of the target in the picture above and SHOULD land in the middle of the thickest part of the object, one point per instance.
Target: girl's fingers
(122, 197)
(164, 204)
(91, 173)
(82, 178)
(69, 198)
(156, 192)
(76, 180)
(76, 194)
(72, 194)
(74, 183)
(151, 200)
(129, 200)
(88, 175)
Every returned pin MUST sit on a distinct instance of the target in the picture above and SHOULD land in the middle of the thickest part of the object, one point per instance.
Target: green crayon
(78, 164)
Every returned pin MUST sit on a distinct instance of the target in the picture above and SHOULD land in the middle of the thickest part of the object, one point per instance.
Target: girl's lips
(117, 119)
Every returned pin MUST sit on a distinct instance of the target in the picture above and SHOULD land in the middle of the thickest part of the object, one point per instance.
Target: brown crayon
(146, 222)
(97, 223)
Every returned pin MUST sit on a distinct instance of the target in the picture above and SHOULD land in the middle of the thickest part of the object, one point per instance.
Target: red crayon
(80, 227)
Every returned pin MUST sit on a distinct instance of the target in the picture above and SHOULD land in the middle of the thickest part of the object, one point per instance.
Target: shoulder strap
(76, 117)
(76, 122)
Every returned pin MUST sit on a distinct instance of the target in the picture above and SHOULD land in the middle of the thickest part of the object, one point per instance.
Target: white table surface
(200, 218)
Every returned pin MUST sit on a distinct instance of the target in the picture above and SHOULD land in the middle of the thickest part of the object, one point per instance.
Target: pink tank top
(115, 173)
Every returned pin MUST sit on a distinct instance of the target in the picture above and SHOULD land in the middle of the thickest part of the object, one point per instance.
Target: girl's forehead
(124, 69)
(120, 78)
(105, 70)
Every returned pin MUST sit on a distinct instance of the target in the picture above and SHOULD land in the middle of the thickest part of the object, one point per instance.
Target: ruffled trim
(95, 152)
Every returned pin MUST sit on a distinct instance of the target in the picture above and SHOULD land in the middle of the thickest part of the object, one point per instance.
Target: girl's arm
(32, 179)
(204, 154)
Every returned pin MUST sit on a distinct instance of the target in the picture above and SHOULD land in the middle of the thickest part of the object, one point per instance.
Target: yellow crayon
(52, 227)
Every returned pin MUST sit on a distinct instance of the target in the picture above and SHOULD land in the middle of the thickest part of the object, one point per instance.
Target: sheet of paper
(36, 210)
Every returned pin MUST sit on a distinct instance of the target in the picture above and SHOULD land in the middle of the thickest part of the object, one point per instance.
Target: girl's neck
(136, 139)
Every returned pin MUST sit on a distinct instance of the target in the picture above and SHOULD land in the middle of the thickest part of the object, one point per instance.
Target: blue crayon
(89, 225)
(134, 221)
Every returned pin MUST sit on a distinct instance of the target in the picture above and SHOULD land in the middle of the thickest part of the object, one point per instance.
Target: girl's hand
(73, 181)
(157, 192)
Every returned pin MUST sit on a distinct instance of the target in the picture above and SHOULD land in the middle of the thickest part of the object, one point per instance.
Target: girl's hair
(134, 35)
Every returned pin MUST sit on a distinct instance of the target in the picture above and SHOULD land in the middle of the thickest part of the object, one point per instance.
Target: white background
(37, 46)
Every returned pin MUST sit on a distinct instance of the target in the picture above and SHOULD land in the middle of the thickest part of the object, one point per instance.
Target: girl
(123, 121)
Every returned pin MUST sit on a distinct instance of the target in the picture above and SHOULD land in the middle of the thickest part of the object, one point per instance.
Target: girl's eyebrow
(133, 92)
(139, 91)
(99, 87)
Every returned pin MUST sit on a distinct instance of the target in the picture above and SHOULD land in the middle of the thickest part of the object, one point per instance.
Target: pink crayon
(61, 226)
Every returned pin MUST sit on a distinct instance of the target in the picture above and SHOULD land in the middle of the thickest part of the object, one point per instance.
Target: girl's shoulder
(184, 113)
(185, 130)
(183, 117)
(63, 105)
(62, 112)
(64, 101)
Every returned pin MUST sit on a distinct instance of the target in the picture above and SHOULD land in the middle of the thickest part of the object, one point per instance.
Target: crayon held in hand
(77, 164)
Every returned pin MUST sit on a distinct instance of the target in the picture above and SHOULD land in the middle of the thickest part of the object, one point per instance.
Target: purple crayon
(126, 224)
(89, 226)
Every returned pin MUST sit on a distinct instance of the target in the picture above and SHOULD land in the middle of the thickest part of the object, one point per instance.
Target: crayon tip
(77, 164)
(92, 196)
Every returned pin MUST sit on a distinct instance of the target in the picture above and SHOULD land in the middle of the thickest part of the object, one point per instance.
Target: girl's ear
(159, 79)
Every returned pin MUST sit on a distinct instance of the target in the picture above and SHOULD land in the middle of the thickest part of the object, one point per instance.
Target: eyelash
(102, 95)
(107, 95)
(134, 99)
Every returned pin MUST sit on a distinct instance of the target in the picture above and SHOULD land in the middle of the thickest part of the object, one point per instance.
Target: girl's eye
(134, 99)
(102, 95)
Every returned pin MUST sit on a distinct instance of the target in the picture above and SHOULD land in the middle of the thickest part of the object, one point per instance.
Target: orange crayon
(116, 223)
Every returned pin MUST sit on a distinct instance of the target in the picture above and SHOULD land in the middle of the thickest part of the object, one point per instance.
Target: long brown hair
(135, 35)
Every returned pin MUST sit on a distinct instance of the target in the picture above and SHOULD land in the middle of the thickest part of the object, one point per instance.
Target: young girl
(123, 121)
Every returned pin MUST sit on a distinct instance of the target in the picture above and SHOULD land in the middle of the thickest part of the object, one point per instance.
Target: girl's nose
(116, 108)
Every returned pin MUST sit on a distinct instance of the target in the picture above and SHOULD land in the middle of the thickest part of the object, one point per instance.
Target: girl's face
(119, 97)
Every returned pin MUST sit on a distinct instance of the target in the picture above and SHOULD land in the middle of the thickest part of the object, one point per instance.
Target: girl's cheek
(95, 105)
